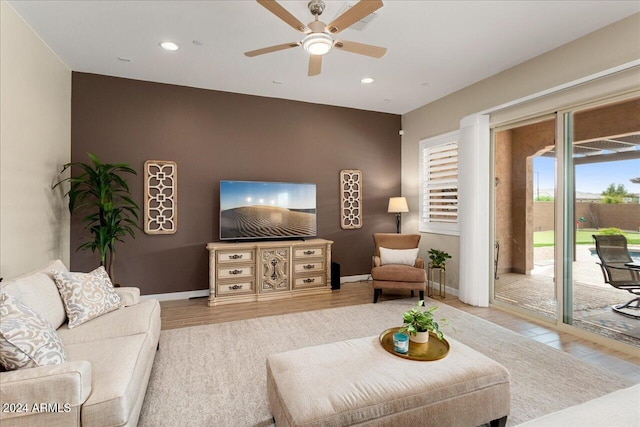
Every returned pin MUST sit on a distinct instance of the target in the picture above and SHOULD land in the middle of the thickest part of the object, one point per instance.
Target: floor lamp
(398, 205)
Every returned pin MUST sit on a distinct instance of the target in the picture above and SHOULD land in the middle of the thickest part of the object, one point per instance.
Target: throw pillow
(86, 295)
(398, 256)
(26, 339)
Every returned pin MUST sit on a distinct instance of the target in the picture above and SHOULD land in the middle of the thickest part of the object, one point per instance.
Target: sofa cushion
(398, 256)
(126, 321)
(118, 372)
(26, 339)
(86, 295)
(398, 273)
(37, 290)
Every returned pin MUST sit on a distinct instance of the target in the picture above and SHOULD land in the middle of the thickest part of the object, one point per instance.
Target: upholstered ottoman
(357, 382)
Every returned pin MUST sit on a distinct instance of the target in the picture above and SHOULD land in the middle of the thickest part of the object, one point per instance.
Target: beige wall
(608, 47)
(35, 140)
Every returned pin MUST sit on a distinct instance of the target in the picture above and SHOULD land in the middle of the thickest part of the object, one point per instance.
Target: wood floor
(184, 313)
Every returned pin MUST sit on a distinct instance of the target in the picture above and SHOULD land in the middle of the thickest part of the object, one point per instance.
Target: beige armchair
(397, 276)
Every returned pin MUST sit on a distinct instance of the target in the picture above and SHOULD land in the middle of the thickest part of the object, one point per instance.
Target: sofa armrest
(67, 384)
(128, 295)
(419, 263)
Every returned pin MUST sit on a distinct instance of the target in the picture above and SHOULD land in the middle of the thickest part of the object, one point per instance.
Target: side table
(442, 276)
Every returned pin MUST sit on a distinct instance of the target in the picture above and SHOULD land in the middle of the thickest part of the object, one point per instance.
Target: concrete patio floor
(592, 298)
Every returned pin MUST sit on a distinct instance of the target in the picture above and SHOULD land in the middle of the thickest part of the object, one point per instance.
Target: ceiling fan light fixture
(169, 45)
(317, 43)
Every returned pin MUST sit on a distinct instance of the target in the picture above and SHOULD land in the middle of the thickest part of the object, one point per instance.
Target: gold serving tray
(434, 349)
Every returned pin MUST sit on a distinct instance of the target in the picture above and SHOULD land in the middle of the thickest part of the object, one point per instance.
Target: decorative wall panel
(161, 197)
(351, 196)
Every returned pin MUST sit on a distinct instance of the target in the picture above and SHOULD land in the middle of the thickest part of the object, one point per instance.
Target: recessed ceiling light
(123, 59)
(197, 42)
(277, 82)
(425, 84)
(367, 80)
(169, 46)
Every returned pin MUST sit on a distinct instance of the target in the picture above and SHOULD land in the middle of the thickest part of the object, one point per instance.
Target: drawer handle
(308, 266)
(235, 272)
(235, 256)
(235, 287)
(309, 252)
(309, 280)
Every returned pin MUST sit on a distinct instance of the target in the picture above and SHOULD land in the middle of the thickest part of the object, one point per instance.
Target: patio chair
(618, 272)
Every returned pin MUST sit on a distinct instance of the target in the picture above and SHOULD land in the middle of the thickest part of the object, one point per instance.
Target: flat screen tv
(251, 210)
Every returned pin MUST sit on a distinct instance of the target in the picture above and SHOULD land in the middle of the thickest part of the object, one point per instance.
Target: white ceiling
(434, 47)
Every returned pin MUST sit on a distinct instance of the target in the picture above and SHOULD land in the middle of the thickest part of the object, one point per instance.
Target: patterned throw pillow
(26, 339)
(86, 295)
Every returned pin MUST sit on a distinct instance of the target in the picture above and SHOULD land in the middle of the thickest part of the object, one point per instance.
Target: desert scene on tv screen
(264, 210)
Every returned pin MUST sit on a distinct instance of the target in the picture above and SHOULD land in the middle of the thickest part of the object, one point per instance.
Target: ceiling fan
(319, 40)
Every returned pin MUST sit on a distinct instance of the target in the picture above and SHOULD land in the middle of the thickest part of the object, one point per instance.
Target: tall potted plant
(103, 194)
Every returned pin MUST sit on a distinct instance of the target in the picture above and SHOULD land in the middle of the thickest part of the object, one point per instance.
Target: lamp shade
(398, 204)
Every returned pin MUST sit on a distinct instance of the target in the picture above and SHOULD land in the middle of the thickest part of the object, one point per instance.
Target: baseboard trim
(435, 289)
(171, 296)
(177, 295)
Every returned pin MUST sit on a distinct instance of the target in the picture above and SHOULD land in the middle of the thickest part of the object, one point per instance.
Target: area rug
(215, 375)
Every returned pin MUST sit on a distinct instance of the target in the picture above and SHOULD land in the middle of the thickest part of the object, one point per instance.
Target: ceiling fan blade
(360, 48)
(272, 49)
(282, 13)
(315, 65)
(360, 10)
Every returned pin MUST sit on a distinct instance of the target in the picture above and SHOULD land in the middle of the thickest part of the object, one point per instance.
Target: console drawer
(241, 287)
(236, 256)
(235, 272)
(309, 281)
(309, 252)
(309, 266)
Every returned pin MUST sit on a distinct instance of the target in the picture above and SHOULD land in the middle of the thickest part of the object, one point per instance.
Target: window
(439, 184)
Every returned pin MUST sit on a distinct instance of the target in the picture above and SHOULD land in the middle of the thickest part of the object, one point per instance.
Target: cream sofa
(109, 360)
(618, 409)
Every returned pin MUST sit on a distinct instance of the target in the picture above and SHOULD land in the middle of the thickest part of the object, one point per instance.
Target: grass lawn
(583, 237)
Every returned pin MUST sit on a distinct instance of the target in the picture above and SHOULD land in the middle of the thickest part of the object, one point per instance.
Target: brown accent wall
(215, 136)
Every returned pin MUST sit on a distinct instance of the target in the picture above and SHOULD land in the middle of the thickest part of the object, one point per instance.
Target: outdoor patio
(592, 297)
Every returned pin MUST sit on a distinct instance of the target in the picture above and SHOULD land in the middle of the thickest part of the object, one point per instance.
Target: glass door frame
(565, 232)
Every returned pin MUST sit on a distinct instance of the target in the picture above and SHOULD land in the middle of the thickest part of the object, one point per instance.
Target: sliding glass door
(602, 197)
(559, 180)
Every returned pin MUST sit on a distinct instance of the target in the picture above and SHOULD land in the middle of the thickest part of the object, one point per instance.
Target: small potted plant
(418, 322)
(438, 258)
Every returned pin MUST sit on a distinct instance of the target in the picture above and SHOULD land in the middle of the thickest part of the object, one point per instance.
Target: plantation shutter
(439, 185)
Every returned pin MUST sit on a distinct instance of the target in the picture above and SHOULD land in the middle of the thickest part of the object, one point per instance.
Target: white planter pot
(419, 337)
